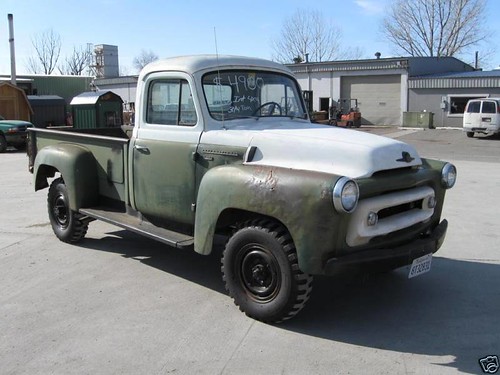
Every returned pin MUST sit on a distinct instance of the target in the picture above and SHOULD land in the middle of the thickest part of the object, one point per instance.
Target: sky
(183, 27)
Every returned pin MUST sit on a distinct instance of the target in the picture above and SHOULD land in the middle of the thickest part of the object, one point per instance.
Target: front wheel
(261, 272)
(470, 134)
(66, 224)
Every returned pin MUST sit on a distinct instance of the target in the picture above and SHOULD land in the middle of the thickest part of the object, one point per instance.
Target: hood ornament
(405, 157)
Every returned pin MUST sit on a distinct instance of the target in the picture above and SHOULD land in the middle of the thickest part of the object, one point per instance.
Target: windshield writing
(240, 94)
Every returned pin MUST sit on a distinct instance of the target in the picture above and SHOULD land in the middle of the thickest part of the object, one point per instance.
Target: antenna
(219, 79)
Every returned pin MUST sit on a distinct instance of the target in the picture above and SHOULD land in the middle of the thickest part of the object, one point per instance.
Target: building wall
(66, 87)
(126, 91)
(13, 103)
(329, 84)
(432, 100)
(323, 85)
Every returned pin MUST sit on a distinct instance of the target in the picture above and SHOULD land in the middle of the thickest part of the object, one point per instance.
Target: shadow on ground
(452, 311)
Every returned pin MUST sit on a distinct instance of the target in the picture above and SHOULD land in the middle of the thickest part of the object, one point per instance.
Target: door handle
(142, 149)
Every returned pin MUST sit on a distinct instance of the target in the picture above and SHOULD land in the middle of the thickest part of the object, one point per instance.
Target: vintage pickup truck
(223, 145)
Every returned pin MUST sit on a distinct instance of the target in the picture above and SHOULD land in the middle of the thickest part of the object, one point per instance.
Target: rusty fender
(77, 167)
(300, 200)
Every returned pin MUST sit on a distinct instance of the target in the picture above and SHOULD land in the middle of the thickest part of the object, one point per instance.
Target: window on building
(458, 103)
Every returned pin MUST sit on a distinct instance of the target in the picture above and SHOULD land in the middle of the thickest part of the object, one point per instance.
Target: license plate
(420, 265)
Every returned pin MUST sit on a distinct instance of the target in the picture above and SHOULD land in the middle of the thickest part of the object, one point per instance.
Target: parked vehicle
(482, 116)
(223, 145)
(13, 133)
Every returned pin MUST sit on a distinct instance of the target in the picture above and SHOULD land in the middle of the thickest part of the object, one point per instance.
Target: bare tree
(306, 33)
(77, 62)
(47, 46)
(33, 66)
(144, 58)
(435, 27)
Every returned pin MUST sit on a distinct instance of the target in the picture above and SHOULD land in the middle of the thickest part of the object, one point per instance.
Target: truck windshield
(245, 93)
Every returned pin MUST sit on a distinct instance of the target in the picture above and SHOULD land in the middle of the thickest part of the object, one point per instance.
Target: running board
(144, 228)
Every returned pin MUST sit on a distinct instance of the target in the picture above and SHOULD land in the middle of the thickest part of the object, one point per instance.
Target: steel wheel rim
(259, 273)
(60, 211)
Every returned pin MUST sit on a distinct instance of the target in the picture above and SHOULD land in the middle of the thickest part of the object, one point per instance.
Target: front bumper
(384, 259)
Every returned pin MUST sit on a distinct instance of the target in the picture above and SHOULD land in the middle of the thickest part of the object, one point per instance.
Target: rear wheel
(470, 134)
(3, 143)
(261, 272)
(66, 224)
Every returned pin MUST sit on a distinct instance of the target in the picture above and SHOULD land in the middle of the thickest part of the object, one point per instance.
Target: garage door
(379, 97)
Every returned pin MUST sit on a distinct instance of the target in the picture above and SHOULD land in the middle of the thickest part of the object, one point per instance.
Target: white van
(482, 116)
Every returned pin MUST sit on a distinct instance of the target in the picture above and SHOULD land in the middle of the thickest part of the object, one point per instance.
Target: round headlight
(345, 195)
(448, 175)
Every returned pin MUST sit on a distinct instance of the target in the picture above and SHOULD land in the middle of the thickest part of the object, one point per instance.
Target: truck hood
(319, 148)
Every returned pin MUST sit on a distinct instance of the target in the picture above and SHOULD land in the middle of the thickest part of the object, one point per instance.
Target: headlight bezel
(342, 196)
(447, 171)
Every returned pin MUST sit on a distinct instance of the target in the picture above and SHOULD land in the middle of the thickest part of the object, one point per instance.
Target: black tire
(261, 273)
(66, 223)
(21, 146)
(470, 134)
(3, 144)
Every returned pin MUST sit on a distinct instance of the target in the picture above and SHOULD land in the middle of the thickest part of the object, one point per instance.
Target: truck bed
(109, 147)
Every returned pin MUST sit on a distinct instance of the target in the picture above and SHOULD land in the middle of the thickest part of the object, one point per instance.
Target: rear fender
(77, 167)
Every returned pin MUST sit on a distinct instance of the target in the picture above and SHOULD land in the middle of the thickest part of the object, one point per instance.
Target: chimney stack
(12, 50)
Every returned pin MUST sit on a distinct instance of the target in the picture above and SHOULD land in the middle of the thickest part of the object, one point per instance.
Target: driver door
(167, 138)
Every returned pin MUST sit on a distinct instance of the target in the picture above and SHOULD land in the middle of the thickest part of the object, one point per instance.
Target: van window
(489, 107)
(473, 107)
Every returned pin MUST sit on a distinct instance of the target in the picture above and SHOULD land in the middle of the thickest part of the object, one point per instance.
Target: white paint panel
(305, 146)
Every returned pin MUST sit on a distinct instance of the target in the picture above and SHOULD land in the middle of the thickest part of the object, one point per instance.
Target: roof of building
(91, 97)
(473, 74)
(415, 66)
(44, 97)
(457, 80)
(42, 100)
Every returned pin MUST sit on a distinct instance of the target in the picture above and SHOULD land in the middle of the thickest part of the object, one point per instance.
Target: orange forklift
(345, 112)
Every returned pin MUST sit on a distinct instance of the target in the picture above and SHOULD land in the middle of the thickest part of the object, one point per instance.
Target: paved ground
(121, 304)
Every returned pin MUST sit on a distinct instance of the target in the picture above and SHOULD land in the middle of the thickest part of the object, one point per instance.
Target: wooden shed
(48, 110)
(14, 104)
(97, 110)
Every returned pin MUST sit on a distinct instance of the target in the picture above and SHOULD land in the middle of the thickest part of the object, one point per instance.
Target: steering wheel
(271, 110)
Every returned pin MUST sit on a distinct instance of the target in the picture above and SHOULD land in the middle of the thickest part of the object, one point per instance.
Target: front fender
(300, 200)
(78, 168)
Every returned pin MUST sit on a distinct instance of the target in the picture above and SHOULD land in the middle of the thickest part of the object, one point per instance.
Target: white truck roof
(196, 63)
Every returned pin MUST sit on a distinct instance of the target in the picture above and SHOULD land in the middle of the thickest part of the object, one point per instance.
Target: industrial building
(446, 94)
(385, 88)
